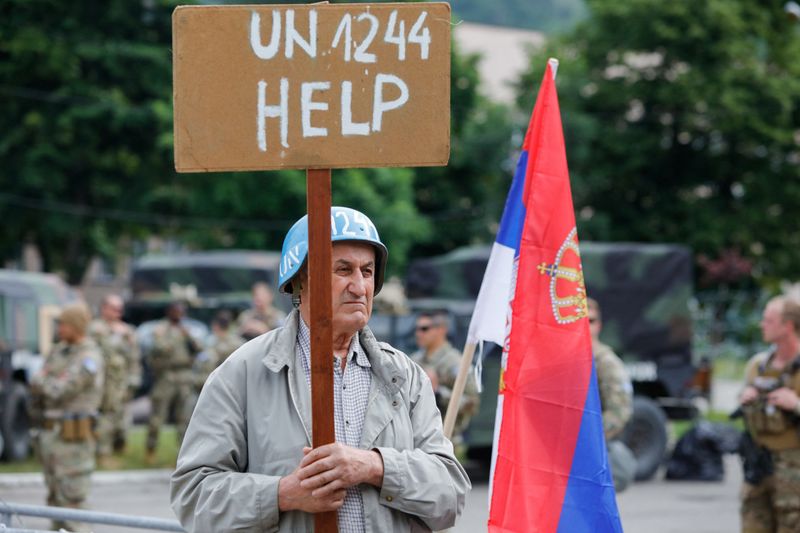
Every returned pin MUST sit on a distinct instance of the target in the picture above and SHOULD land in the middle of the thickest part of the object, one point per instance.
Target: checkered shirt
(350, 396)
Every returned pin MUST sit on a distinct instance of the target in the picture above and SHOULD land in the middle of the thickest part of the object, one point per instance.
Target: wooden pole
(458, 389)
(318, 202)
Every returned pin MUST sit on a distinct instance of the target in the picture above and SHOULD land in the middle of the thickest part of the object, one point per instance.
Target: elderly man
(246, 463)
(771, 406)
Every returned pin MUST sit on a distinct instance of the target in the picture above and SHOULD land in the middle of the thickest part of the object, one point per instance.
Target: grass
(132, 459)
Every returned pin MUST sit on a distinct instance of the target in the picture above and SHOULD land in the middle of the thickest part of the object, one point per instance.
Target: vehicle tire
(646, 436)
(15, 424)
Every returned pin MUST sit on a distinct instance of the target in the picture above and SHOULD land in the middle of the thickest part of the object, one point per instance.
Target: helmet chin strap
(297, 287)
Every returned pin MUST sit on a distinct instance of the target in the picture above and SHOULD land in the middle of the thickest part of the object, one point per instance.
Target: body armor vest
(770, 426)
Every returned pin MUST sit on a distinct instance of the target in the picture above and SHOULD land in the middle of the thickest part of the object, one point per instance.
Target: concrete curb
(35, 479)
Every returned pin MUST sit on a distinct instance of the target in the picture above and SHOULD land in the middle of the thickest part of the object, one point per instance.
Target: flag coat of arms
(550, 470)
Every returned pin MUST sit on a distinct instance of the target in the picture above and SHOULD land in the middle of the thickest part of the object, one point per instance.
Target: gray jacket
(253, 418)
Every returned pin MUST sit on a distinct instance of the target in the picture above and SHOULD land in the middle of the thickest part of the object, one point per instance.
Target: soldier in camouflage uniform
(616, 400)
(225, 340)
(441, 362)
(616, 391)
(171, 359)
(771, 407)
(66, 395)
(117, 340)
(262, 317)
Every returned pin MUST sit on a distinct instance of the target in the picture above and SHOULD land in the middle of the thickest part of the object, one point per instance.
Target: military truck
(207, 281)
(644, 291)
(29, 303)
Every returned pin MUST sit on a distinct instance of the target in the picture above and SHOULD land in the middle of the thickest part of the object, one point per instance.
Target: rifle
(756, 459)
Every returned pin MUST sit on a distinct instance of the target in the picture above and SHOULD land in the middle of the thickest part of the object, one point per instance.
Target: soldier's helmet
(346, 225)
(76, 315)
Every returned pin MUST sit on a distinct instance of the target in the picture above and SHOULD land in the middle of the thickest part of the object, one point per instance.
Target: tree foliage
(682, 125)
(86, 152)
(542, 15)
(85, 115)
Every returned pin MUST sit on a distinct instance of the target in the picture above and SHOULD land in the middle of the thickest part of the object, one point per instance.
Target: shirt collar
(356, 351)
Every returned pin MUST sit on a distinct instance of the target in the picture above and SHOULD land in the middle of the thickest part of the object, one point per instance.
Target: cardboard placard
(311, 86)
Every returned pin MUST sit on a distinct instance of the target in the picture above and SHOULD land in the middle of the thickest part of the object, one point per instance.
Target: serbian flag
(550, 469)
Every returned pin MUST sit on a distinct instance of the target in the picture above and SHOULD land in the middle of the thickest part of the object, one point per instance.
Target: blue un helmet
(346, 225)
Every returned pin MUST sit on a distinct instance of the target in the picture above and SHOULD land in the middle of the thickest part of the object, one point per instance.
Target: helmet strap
(297, 288)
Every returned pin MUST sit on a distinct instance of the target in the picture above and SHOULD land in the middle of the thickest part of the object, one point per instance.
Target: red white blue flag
(550, 469)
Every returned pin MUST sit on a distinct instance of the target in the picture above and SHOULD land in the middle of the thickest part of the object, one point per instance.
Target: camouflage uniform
(774, 504)
(272, 318)
(171, 359)
(123, 375)
(219, 350)
(68, 391)
(615, 390)
(445, 362)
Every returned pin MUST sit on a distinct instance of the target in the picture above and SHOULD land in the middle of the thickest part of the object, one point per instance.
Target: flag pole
(469, 349)
(553, 62)
(458, 389)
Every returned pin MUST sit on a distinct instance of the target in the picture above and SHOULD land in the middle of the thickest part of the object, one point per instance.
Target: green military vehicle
(29, 303)
(644, 291)
(207, 281)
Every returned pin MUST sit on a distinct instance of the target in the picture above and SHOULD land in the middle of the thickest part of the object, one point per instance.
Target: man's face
(67, 333)
(352, 284)
(262, 298)
(773, 327)
(428, 333)
(175, 312)
(595, 325)
(112, 309)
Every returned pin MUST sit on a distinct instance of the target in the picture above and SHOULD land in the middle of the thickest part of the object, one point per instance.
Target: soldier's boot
(71, 525)
(150, 447)
(150, 457)
(119, 444)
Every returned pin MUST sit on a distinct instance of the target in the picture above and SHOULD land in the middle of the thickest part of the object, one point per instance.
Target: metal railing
(9, 510)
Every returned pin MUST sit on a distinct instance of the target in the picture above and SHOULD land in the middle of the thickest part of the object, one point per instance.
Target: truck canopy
(643, 290)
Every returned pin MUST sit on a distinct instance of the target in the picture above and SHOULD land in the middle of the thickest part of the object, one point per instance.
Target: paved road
(652, 507)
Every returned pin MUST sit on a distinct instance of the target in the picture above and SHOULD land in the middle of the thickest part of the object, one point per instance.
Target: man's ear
(299, 280)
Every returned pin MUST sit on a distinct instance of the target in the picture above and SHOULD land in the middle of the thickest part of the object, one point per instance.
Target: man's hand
(334, 467)
(749, 394)
(294, 497)
(784, 398)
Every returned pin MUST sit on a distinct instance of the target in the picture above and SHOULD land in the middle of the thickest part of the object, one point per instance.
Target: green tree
(86, 151)
(465, 199)
(682, 123)
(542, 15)
(86, 104)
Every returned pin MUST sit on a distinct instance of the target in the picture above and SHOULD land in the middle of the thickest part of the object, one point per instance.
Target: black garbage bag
(698, 454)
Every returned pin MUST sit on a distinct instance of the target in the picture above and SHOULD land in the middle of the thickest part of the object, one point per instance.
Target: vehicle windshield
(207, 280)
